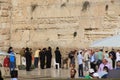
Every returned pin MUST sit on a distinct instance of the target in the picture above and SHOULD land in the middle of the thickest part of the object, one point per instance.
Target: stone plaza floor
(40, 74)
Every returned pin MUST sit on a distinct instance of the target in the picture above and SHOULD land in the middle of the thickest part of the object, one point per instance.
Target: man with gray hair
(104, 63)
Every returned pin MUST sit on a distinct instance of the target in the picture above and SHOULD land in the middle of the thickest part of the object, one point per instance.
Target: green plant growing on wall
(67, 0)
(33, 7)
(112, 1)
(2, 2)
(63, 5)
(85, 6)
(106, 7)
(74, 34)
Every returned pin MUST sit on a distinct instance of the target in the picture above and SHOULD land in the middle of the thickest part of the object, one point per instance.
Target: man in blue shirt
(12, 59)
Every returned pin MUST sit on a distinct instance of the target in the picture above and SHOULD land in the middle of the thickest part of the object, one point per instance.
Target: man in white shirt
(118, 56)
(80, 63)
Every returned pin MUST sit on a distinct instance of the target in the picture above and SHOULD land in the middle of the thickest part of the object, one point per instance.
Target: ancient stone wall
(63, 23)
(5, 24)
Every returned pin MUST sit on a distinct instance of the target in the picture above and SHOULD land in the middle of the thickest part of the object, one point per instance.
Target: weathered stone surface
(65, 23)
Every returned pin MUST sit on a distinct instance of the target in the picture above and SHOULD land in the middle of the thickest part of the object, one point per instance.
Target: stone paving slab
(38, 74)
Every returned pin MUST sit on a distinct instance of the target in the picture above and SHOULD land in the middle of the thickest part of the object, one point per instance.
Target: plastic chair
(56, 65)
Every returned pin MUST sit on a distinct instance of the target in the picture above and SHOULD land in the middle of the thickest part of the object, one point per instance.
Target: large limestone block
(37, 36)
(26, 35)
(5, 1)
(4, 37)
(18, 44)
(40, 44)
(6, 43)
(5, 25)
(14, 2)
(16, 36)
(4, 31)
(4, 13)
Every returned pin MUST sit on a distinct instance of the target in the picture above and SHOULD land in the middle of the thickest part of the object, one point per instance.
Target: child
(72, 71)
(6, 65)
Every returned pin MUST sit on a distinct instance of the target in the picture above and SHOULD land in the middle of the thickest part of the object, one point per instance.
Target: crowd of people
(45, 57)
(97, 62)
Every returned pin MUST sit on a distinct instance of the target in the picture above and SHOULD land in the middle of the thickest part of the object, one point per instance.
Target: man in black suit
(113, 54)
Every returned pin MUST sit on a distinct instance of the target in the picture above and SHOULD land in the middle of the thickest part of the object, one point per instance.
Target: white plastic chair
(54, 63)
(23, 61)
